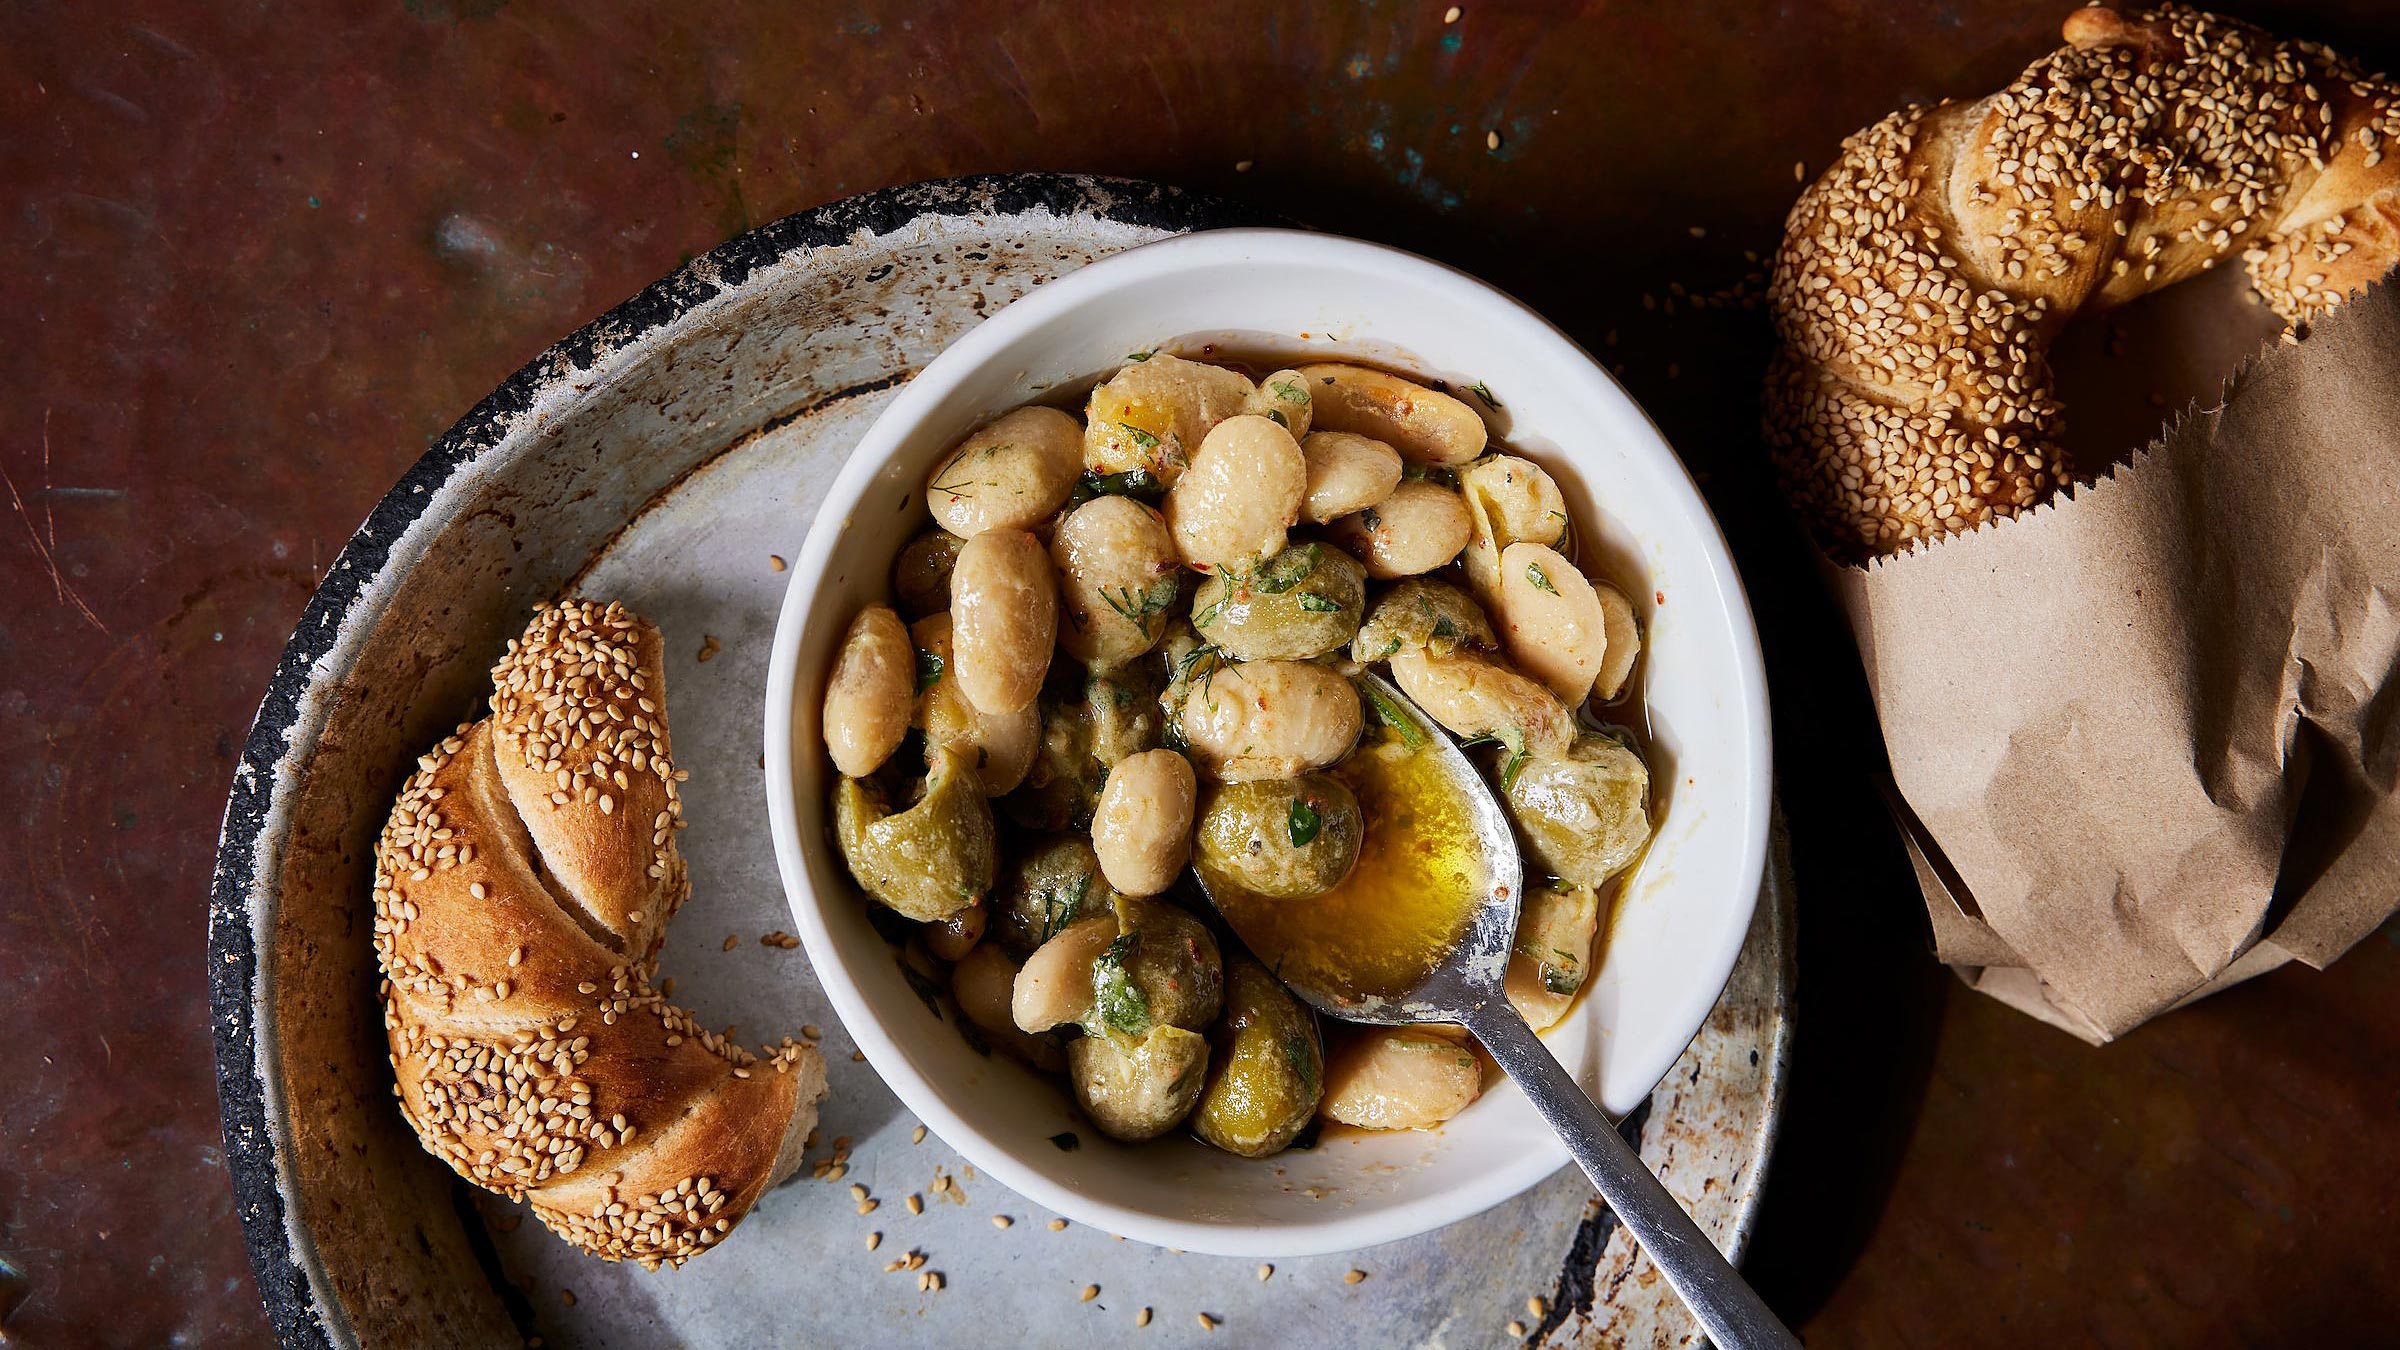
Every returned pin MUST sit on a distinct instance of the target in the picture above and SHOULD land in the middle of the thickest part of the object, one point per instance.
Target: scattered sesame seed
(1207, 1323)
(874, 1240)
(934, 1278)
(915, 1204)
(1090, 1292)
(1241, 166)
(1354, 1277)
(1142, 1318)
(1001, 1221)
(867, 1206)
(1057, 1225)
(857, 1192)
(732, 940)
(1699, 231)
(1451, 14)
(1517, 1329)
(1491, 140)
(775, 562)
(1538, 1306)
(1264, 1273)
(1799, 171)
(917, 1136)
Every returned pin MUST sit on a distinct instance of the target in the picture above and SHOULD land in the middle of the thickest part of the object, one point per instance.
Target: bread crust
(523, 884)
(1924, 274)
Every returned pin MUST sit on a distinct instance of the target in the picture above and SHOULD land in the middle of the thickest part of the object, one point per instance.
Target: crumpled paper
(2144, 739)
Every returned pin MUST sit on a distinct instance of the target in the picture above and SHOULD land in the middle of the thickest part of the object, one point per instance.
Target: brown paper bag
(2144, 739)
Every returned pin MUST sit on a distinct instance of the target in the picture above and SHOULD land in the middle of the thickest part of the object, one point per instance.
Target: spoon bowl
(1458, 978)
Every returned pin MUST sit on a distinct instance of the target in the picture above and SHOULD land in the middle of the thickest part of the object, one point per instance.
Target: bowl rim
(923, 396)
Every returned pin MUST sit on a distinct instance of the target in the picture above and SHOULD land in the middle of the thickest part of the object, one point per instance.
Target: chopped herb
(1559, 981)
(1209, 615)
(1276, 416)
(1140, 437)
(1119, 1001)
(1307, 1138)
(1289, 392)
(1304, 823)
(959, 487)
(1371, 520)
(1066, 1141)
(1141, 356)
(1443, 628)
(1287, 569)
(1484, 391)
(1060, 907)
(1299, 1057)
(1516, 765)
(929, 669)
(1139, 484)
(1389, 712)
(1539, 578)
(1139, 610)
(1318, 604)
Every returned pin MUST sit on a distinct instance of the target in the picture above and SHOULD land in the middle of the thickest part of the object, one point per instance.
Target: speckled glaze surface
(665, 457)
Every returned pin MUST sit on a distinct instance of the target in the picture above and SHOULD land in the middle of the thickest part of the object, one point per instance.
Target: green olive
(1063, 783)
(1268, 1069)
(1123, 709)
(1421, 614)
(1163, 970)
(930, 861)
(1301, 603)
(1289, 838)
(1138, 1087)
(1048, 885)
(1584, 816)
(921, 574)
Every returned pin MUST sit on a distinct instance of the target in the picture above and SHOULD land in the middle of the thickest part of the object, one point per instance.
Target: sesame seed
(915, 1204)
(1090, 1292)
(775, 562)
(732, 941)
(1142, 1318)
(1207, 1323)
(1058, 1225)
(1451, 14)
(1001, 1221)
(867, 1206)
(1517, 1329)
(1538, 1306)
(857, 1192)
(1491, 140)
(1354, 1277)
(916, 1136)
(874, 1240)
(1265, 1272)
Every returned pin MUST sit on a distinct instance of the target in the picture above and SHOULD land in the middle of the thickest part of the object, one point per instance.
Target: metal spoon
(1464, 986)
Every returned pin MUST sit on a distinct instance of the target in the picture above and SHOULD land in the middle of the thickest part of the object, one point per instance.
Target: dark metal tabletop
(258, 257)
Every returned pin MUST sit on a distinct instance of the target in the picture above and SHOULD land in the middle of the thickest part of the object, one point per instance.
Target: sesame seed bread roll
(522, 888)
(1924, 275)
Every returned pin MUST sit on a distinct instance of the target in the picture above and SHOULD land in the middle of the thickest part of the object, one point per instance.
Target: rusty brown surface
(256, 257)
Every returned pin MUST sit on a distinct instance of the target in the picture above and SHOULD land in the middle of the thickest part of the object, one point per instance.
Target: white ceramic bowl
(1679, 922)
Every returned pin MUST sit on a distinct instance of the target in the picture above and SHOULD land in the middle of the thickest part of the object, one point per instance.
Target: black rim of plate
(283, 1284)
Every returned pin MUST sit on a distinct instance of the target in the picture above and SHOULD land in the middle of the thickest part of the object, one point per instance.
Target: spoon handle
(1727, 1308)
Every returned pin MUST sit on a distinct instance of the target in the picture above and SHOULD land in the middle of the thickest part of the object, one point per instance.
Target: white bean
(1142, 829)
(1284, 399)
(1508, 499)
(1117, 576)
(1419, 527)
(984, 983)
(1004, 619)
(1000, 744)
(1423, 424)
(1624, 641)
(1231, 507)
(871, 692)
(1475, 697)
(1550, 620)
(1154, 413)
(1347, 473)
(1055, 987)
(1400, 1079)
(1268, 719)
(1009, 474)
(1552, 955)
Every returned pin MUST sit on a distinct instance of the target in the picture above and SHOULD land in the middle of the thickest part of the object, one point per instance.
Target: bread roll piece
(1924, 275)
(523, 885)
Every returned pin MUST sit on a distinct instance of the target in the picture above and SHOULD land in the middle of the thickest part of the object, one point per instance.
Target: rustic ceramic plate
(664, 456)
